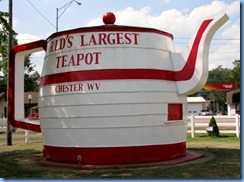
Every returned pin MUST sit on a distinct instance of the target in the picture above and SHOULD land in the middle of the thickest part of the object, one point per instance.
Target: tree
(31, 77)
(236, 73)
(215, 131)
(5, 29)
(225, 75)
(221, 75)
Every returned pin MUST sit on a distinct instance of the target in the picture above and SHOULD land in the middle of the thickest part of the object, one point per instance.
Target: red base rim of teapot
(114, 155)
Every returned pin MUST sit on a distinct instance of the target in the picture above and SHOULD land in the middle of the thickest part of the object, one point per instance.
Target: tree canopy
(224, 76)
(31, 77)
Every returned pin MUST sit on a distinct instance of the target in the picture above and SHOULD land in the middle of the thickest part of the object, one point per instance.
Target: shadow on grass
(24, 164)
(220, 136)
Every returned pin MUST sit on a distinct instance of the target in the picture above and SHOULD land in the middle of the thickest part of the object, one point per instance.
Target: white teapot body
(114, 94)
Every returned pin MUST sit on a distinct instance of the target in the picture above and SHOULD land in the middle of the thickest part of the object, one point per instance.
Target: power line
(227, 39)
(224, 52)
(212, 43)
(212, 39)
(41, 14)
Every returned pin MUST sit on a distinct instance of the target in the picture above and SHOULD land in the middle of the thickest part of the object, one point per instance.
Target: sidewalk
(19, 133)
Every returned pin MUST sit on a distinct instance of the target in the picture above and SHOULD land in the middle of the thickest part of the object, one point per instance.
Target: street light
(29, 97)
(66, 6)
(26, 131)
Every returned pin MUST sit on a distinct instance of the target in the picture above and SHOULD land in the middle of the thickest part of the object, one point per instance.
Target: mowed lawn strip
(221, 159)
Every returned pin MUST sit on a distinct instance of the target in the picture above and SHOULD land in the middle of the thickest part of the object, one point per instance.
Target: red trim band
(107, 74)
(115, 155)
(27, 126)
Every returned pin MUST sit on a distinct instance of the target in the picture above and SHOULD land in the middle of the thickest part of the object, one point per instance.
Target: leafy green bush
(215, 131)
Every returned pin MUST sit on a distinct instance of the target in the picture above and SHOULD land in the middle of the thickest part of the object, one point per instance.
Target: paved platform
(190, 155)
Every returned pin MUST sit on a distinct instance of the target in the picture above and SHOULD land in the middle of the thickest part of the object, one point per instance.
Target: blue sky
(160, 14)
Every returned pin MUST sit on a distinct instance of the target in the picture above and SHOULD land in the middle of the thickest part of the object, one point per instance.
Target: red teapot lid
(109, 18)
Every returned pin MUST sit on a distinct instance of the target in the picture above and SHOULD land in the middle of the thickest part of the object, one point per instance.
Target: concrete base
(190, 155)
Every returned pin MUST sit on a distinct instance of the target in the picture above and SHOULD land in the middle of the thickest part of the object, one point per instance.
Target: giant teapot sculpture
(112, 94)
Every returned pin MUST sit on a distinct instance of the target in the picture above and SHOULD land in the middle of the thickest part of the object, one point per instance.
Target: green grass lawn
(16, 161)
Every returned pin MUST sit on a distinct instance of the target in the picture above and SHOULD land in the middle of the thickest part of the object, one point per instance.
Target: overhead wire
(214, 42)
(41, 14)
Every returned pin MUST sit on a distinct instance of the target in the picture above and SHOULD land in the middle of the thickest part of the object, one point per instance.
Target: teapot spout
(193, 73)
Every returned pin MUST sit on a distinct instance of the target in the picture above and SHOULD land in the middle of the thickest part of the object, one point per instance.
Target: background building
(30, 102)
(233, 102)
(195, 105)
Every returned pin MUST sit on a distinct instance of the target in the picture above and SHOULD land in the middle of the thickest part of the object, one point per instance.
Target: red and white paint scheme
(113, 94)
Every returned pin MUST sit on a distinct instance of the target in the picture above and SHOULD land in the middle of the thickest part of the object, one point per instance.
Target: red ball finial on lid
(109, 18)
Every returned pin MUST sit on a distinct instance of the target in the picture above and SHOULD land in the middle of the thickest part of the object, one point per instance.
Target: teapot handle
(16, 85)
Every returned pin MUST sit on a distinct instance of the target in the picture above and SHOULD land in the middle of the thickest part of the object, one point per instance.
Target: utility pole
(9, 128)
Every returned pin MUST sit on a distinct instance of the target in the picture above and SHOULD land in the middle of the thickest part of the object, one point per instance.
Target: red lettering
(66, 89)
(127, 38)
(110, 40)
(69, 39)
(135, 38)
(93, 86)
(82, 38)
(97, 85)
(71, 88)
(57, 89)
(72, 61)
(56, 45)
(64, 59)
(79, 58)
(61, 43)
(88, 58)
(92, 40)
(80, 87)
(119, 38)
(97, 54)
(102, 37)
(58, 61)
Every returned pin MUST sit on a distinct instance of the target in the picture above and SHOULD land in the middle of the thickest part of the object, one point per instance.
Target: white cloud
(183, 25)
(129, 16)
(164, 2)
(233, 31)
(234, 8)
(25, 38)
(36, 58)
